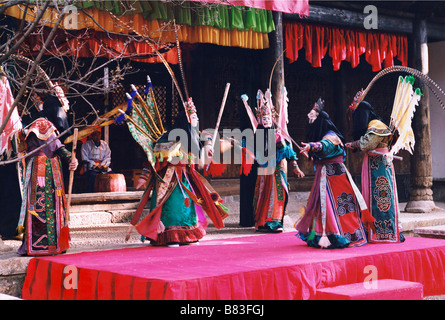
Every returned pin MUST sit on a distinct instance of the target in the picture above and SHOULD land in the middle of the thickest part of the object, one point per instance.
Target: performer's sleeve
(370, 141)
(323, 148)
(64, 154)
(290, 153)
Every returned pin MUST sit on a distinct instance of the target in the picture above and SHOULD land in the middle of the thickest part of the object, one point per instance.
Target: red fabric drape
(89, 43)
(264, 267)
(344, 45)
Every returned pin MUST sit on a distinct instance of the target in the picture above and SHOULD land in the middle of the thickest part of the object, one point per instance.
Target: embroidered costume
(271, 189)
(379, 187)
(43, 208)
(181, 196)
(335, 208)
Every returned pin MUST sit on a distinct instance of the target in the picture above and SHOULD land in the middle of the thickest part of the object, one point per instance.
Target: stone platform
(101, 221)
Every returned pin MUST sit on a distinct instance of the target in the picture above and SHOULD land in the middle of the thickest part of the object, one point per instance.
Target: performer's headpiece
(42, 128)
(357, 99)
(190, 109)
(319, 105)
(264, 112)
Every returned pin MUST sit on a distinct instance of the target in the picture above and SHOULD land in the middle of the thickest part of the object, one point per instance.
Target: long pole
(70, 183)
(221, 110)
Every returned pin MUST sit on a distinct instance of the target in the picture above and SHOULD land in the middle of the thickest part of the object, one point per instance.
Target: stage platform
(260, 267)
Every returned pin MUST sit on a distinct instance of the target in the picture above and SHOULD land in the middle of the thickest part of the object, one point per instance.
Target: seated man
(96, 155)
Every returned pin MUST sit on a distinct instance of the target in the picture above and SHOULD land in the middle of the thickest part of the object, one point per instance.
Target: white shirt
(96, 155)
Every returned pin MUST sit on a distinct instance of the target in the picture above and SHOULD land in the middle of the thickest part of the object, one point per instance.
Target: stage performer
(181, 196)
(271, 189)
(379, 188)
(335, 208)
(42, 215)
(96, 155)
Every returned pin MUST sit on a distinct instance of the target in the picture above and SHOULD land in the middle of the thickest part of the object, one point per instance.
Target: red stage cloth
(272, 266)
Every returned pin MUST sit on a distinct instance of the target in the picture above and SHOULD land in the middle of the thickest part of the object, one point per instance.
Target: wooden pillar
(421, 194)
(277, 47)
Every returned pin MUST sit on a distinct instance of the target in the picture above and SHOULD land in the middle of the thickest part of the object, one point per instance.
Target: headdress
(42, 128)
(264, 107)
(322, 125)
(143, 118)
(189, 109)
(405, 101)
(319, 105)
(356, 101)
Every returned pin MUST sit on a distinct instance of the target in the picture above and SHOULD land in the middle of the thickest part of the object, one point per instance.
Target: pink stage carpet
(271, 266)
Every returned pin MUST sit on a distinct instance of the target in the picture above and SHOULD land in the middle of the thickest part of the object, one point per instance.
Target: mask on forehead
(315, 111)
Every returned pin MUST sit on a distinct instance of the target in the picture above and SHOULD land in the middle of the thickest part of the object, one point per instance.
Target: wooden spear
(70, 183)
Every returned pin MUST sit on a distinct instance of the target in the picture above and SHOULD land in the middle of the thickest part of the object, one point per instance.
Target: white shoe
(173, 245)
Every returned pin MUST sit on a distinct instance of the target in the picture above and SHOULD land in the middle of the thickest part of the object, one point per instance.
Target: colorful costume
(271, 188)
(43, 208)
(332, 217)
(181, 195)
(378, 177)
(272, 191)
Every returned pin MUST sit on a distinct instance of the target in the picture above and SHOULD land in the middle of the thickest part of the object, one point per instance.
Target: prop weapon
(221, 110)
(71, 179)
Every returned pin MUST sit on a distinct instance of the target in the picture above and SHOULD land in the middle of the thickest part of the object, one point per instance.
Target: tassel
(127, 236)
(20, 229)
(64, 237)
(214, 169)
(324, 241)
(41, 181)
(161, 227)
(312, 233)
(246, 166)
(303, 211)
(34, 213)
(368, 219)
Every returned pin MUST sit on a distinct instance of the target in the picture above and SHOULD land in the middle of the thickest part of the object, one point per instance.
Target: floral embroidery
(382, 194)
(345, 203)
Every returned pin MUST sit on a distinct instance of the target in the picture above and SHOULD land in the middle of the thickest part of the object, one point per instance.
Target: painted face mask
(315, 111)
(264, 110)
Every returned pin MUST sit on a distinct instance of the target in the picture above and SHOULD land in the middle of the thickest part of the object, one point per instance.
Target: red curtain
(344, 45)
(90, 43)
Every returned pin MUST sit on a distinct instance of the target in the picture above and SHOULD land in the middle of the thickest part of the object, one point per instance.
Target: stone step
(99, 218)
(412, 221)
(95, 214)
(431, 232)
